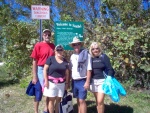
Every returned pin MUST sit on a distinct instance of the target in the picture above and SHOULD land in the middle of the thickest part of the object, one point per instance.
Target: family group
(55, 74)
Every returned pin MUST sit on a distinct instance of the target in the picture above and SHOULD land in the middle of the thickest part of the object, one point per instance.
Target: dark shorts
(78, 89)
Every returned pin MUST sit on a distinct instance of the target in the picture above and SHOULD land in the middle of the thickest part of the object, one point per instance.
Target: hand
(109, 77)
(34, 80)
(67, 86)
(86, 85)
(46, 84)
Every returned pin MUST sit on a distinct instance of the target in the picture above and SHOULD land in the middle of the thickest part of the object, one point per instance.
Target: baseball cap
(46, 30)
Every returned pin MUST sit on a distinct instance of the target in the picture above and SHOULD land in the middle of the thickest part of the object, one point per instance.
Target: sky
(16, 6)
(145, 6)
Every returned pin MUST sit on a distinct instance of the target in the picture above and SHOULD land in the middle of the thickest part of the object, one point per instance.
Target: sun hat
(75, 40)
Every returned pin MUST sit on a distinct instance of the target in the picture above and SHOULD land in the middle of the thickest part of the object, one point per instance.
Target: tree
(19, 38)
(122, 28)
(125, 42)
(19, 42)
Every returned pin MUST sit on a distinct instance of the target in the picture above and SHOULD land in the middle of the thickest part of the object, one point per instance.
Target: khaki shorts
(96, 85)
(54, 90)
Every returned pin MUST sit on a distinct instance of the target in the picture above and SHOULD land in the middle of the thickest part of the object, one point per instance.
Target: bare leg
(36, 105)
(58, 99)
(78, 105)
(99, 101)
(46, 100)
(51, 104)
(82, 107)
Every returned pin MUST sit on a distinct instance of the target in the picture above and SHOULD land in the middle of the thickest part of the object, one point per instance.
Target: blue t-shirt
(56, 69)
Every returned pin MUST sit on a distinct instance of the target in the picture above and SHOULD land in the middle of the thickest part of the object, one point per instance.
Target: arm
(88, 76)
(45, 75)
(34, 71)
(109, 67)
(87, 83)
(89, 69)
(35, 57)
(67, 80)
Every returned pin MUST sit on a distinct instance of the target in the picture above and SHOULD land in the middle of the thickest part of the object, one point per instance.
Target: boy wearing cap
(42, 50)
(80, 63)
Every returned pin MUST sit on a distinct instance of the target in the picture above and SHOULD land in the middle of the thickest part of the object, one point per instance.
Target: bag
(66, 105)
(119, 87)
(113, 88)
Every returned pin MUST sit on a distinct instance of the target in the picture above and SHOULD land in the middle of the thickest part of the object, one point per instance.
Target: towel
(83, 56)
(34, 90)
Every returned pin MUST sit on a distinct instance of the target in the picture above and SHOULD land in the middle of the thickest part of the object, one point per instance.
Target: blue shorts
(78, 89)
(40, 76)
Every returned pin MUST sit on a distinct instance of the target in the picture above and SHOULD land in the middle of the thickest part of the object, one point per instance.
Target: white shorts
(54, 90)
(96, 85)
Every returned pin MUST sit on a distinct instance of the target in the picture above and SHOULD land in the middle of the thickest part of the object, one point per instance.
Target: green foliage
(146, 68)
(17, 39)
(28, 3)
(66, 17)
(20, 38)
(3, 71)
(25, 82)
(128, 48)
(127, 43)
(129, 10)
(5, 14)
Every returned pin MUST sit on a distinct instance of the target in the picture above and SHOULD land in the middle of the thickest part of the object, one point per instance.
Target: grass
(14, 100)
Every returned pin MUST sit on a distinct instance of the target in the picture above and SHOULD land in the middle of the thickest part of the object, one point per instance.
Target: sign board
(40, 12)
(66, 31)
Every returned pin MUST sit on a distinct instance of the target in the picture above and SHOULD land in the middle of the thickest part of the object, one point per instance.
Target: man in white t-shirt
(80, 63)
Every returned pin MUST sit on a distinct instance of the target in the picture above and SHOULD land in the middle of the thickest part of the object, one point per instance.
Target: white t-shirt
(74, 62)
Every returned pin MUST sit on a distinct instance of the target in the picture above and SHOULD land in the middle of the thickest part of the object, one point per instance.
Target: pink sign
(40, 12)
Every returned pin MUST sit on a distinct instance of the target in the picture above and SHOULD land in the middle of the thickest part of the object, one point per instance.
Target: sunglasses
(47, 34)
(95, 49)
(59, 49)
(76, 44)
